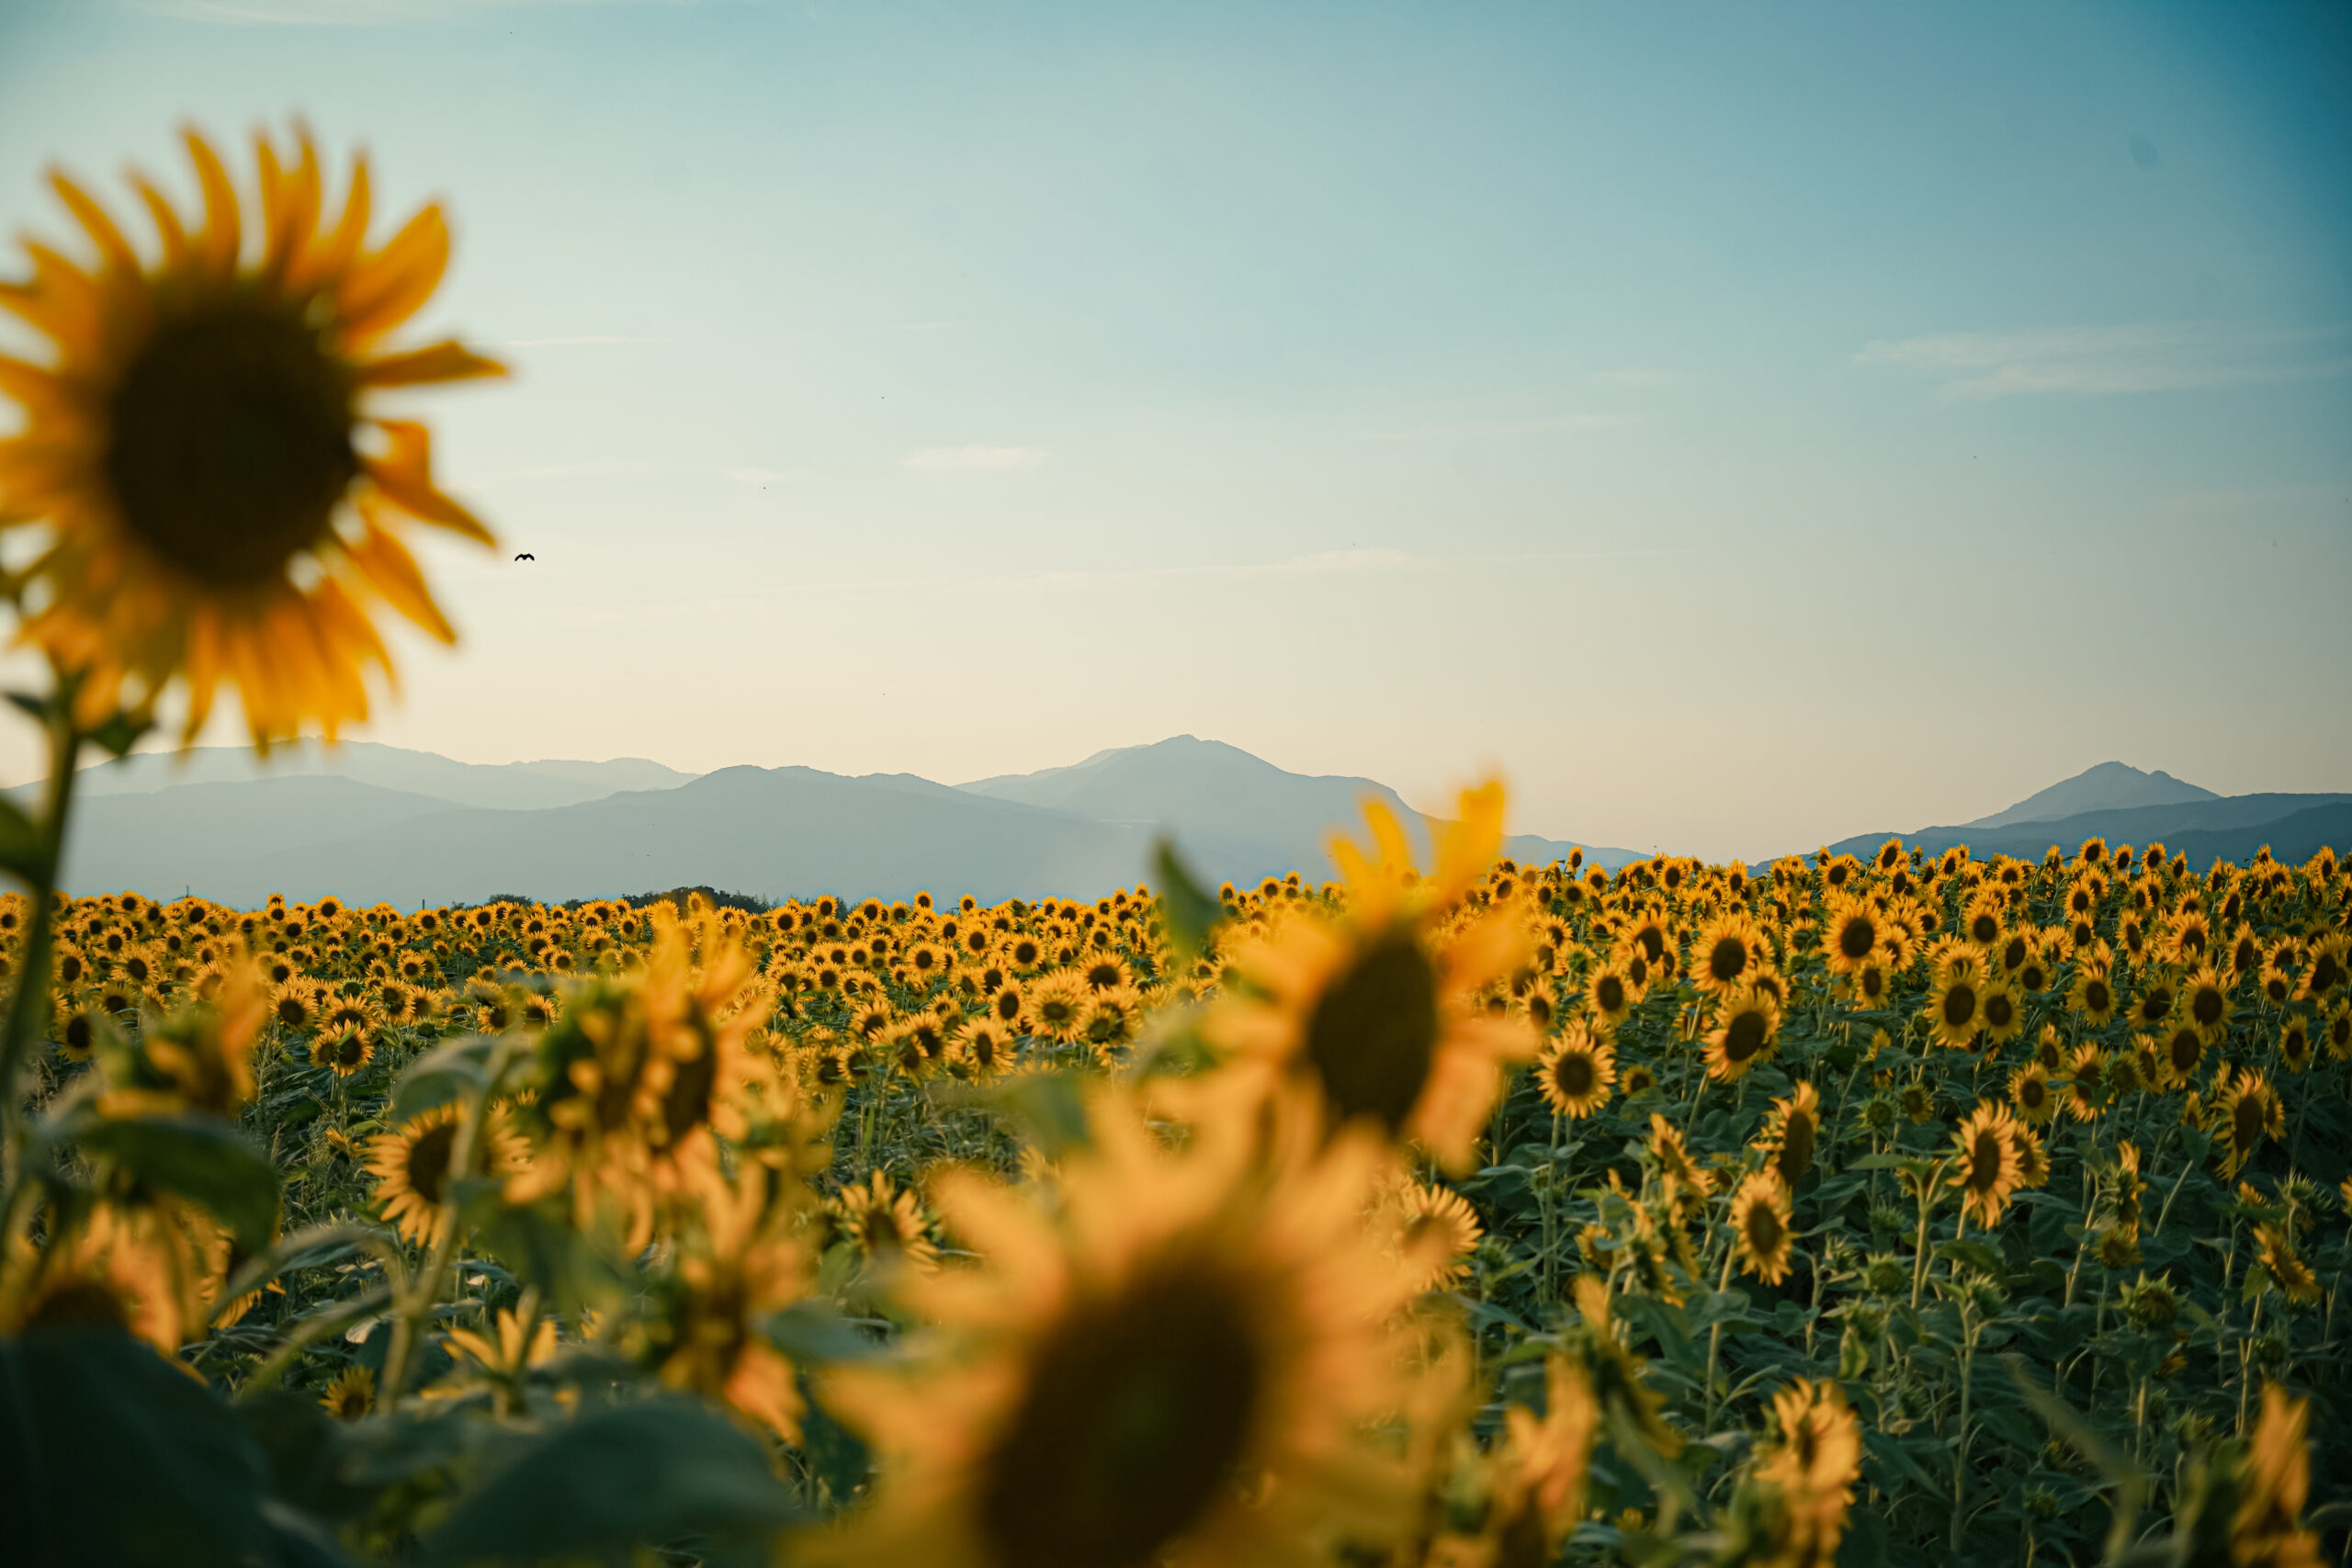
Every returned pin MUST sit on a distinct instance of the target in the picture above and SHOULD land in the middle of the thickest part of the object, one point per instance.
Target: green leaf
(119, 734)
(814, 1335)
(1190, 913)
(539, 1247)
(180, 1482)
(23, 849)
(447, 1072)
(202, 1158)
(660, 1472)
(306, 1248)
(1053, 1107)
(1975, 1254)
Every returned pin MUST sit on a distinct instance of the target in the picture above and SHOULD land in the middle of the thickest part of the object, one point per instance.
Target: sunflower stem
(1715, 1335)
(29, 1007)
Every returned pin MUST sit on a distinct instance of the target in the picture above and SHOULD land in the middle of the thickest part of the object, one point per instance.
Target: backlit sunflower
(1435, 1232)
(1687, 1182)
(885, 1223)
(1852, 935)
(2204, 1005)
(1815, 1466)
(2295, 1045)
(1176, 1366)
(2029, 1092)
(1743, 1034)
(345, 1050)
(1379, 1011)
(1984, 1163)
(2288, 1269)
(2179, 1051)
(1956, 1008)
(2085, 1083)
(1764, 1241)
(1057, 1005)
(1790, 1135)
(411, 1165)
(350, 1395)
(1576, 1071)
(1610, 994)
(2274, 1479)
(2093, 995)
(2244, 1113)
(219, 507)
(1726, 951)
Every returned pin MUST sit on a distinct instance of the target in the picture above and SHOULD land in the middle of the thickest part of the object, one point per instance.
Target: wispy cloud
(2106, 361)
(1565, 423)
(940, 458)
(757, 476)
(335, 13)
(584, 340)
(1333, 563)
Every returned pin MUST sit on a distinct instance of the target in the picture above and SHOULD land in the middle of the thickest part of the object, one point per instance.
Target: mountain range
(371, 822)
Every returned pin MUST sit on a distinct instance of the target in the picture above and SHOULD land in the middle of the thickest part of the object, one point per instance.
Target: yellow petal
(100, 227)
(384, 290)
(445, 361)
(393, 572)
(404, 475)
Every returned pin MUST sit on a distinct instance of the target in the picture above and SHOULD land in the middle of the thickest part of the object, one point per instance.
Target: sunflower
(1057, 1006)
(980, 1048)
(1853, 934)
(1956, 1008)
(2178, 1054)
(1436, 1232)
(1985, 1163)
(1611, 995)
(1175, 1366)
(1727, 950)
(2288, 1269)
(1743, 1034)
(1576, 1071)
(2274, 1478)
(2295, 1045)
(734, 1270)
(345, 1050)
(2093, 994)
(350, 1395)
(411, 1165)
(197, 446)
(2338, 1031)
(885, 1223)
(2029, 1092)
(1813, 1466)
(1379, 1011)
(2085, 1095)
(1790, 1135)
(1687, 1182)
(1760, 1223)
(2244, 1113)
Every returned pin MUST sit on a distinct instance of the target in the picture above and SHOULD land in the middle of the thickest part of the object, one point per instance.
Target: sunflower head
(219, 507)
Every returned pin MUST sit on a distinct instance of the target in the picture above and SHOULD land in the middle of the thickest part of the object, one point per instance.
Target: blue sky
(1744, 426)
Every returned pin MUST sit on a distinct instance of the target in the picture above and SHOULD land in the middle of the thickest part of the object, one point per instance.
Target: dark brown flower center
(231, 443)
(1373, 1034)
(429, 1160)
(1137, 1412)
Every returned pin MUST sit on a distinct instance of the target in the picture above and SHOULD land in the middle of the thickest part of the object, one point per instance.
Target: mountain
(1234, 816)
(507, 786)
(2110, 787)
(771, 831)
(2213, 828)
(776, 833)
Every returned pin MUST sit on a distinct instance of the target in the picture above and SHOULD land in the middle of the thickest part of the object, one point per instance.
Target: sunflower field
(1917, 1210)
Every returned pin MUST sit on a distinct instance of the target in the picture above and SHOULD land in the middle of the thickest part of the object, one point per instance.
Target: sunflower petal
(384, 290)
(404, 475)
(445, 361)
(393, 572)
(218, 244)
(94, 219)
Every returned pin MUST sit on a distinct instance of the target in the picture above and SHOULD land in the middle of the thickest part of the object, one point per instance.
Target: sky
(1740, 426)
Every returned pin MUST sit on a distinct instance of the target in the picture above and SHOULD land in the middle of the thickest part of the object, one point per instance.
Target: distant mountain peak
(2107, 787)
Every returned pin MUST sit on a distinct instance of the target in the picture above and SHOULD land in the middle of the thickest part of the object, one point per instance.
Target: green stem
(30, 1009)
(1960, 1443)
(1716, 1333)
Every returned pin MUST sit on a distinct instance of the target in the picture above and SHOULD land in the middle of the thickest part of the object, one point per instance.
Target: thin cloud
(1635, 378)
(1570, 424)
(944, 458)
(587, 339)
(1341, 562)
(2112, 361)
(755, 475)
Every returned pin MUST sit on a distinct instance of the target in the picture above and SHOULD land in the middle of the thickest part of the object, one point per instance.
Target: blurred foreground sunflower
(1174, 1369)
(219, 508)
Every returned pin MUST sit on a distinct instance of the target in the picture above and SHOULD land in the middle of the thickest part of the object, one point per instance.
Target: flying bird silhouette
(527, 555)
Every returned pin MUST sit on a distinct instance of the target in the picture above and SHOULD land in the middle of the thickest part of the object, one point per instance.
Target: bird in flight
(527, 555)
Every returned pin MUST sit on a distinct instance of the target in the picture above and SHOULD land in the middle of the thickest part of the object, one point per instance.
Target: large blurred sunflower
(219, 505)
(1175, 1369)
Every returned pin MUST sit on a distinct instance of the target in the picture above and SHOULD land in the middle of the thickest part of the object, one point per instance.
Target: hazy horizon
(1739, 428)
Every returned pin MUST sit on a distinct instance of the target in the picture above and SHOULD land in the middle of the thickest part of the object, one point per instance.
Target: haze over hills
(455, 832)
(374, 823)
(2124, 805)
(505, 786)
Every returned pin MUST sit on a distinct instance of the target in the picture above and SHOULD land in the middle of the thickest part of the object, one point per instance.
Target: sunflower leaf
(181, 1482)
(202, 1158)
(1190, 913)
(660, 1472)
(120, 732)
(447, 1072)
(23, 849)
(539, 1245)
(814, 1335)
